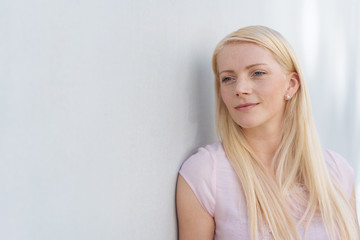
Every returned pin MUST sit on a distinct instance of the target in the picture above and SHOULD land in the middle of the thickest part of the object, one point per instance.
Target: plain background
(102, 100)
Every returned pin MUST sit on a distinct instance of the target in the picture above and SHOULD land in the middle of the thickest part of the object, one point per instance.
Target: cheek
(275, 99)
(274, 91)
(226, 96)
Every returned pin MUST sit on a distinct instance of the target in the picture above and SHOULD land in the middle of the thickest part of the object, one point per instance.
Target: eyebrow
(247, 67)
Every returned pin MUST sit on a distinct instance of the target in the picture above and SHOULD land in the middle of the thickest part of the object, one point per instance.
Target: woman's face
(253, 85)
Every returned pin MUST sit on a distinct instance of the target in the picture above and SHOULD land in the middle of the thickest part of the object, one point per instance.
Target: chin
(247, 125)
(245, 121)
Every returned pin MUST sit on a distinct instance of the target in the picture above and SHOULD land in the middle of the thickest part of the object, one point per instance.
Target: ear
(294, 83)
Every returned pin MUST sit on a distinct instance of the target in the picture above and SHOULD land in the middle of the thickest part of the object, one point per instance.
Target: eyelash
(226, 79)
(258, 73)
(255, 74)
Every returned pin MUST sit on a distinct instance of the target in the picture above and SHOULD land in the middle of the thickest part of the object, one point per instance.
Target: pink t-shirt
(215, 184)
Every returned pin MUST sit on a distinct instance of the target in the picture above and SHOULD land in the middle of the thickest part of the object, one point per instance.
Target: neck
(264, 143)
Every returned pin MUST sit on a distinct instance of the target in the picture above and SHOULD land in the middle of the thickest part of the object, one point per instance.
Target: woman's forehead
(241, 55)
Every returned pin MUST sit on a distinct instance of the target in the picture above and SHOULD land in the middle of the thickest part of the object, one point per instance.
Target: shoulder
(199, 172)
(340, 169)
(202, 164)
(204, 159)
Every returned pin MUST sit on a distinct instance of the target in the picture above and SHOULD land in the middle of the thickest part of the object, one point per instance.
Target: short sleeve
(341, 169)
(200, 174)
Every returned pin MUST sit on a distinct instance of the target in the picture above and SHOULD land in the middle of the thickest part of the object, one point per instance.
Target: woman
(268, 177)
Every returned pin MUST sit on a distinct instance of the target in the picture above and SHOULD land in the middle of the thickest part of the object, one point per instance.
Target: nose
(243, 87)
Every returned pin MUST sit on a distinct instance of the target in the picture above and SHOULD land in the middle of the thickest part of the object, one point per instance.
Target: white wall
(102, 100)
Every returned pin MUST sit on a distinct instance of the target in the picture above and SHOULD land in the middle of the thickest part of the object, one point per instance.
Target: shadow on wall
(202, 101)
(201, 105)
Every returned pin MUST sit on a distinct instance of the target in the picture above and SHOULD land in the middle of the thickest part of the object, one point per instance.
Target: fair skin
(253, 86)
(249, 74)
(194, 222)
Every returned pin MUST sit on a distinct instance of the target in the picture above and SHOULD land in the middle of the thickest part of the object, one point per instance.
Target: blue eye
(258, 73)
(226, 79)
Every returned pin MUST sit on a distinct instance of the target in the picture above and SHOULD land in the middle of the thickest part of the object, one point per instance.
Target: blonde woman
(267, 177)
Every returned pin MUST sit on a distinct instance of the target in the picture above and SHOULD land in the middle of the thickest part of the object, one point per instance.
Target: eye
(226, 79)
(258, 73)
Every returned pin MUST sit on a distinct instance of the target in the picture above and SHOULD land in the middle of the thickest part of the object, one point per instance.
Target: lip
(245, 106)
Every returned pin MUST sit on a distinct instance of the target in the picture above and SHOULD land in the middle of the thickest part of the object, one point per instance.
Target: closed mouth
(246, 106)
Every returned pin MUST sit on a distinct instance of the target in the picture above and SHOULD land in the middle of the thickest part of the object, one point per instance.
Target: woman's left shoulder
(341, 169)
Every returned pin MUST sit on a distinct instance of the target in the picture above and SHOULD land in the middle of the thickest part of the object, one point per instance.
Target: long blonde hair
(299, 162)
